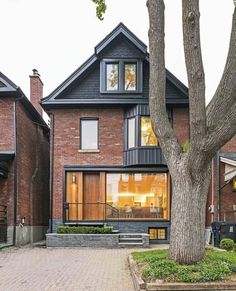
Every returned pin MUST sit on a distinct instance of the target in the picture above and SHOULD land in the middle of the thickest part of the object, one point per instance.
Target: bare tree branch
(195, 72)
(223, 132)
(224, 97)
(157, 81)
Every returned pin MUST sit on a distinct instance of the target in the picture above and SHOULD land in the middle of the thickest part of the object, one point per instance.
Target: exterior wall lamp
(74, 180)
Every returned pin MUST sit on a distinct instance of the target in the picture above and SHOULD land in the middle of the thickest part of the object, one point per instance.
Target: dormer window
(130, 76)
(121, 76)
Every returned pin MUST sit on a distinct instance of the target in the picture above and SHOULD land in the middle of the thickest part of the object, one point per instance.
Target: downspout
(218, 185)
(32, 192)
(51, 170)
(212, 187)
(15, 174)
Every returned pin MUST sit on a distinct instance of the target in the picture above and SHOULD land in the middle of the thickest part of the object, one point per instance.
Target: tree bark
(190, 172)
(188, 208)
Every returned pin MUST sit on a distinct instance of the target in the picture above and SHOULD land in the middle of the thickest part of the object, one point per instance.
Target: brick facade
(27, 184)
(181, 124)
(67, 144)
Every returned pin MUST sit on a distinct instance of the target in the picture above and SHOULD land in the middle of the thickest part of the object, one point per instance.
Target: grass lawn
(217, 265)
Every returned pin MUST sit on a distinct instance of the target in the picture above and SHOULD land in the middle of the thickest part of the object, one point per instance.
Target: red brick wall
(228, 197)
(36, 92)
(6, 124)
(230, 146)
(181, 124)
(7, 193)
(67, 144)
(32, 169)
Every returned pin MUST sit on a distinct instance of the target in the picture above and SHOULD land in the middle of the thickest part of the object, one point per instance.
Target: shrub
(227, 244)
(234, 249)
(84, 229)
(215, 266)
(233, 268)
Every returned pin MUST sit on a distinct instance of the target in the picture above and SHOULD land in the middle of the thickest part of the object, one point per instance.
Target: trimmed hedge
(84, 229)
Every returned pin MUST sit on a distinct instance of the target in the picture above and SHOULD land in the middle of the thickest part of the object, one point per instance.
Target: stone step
(130, 244)
(130, 239)
(130, 235)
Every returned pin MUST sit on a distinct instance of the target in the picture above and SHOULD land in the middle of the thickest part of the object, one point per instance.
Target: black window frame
(128, 130)
(121, 76)
(156, 228)
(89, 119)
(140, 134)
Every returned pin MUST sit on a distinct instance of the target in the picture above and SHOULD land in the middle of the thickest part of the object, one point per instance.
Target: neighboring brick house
(221, 204)
(24, 164)
(106, 163)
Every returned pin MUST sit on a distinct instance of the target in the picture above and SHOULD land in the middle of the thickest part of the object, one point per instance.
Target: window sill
(89, 151)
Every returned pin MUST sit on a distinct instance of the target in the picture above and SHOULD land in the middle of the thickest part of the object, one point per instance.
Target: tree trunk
(187, 242)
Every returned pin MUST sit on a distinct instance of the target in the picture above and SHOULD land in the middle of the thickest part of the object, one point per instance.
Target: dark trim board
(6, 156)
(70, 168)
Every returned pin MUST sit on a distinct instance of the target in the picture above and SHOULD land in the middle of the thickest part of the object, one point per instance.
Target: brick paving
(63, 269)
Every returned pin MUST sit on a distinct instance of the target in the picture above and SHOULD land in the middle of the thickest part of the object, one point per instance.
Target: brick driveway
(64, 269)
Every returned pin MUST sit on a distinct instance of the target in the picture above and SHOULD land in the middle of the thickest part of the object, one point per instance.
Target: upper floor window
(130, 76)
(112, 77)
(148, 137)
(131, 132)
(89, 134)
(121, 76)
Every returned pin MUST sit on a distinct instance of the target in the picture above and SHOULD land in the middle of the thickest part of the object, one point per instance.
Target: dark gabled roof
(10, 89)
(6, 85)
(121, 29)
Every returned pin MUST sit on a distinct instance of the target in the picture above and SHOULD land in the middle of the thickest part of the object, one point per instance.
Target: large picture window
(89, 134)
(138, 195)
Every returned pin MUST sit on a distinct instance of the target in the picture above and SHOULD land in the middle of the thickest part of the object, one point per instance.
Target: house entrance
(92, 197)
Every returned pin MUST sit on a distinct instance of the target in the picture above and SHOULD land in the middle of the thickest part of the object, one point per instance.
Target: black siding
(144, 156)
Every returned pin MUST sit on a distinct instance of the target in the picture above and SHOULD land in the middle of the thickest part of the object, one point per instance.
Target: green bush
(215, 266)
(227, 244)
(84, 229)
(233, 268)
(234, 249)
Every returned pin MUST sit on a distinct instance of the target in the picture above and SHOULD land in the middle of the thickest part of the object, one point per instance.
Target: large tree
(210, 127)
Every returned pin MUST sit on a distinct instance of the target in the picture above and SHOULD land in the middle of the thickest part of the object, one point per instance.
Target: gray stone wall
(82, 240)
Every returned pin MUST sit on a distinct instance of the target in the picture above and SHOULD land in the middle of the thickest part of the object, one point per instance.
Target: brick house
(24, 164)
(221, 204)
(106, 163)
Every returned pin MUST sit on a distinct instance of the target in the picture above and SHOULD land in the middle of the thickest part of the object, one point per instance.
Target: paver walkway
(36, 269)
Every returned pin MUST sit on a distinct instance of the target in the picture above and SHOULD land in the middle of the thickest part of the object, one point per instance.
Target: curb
(139, 284)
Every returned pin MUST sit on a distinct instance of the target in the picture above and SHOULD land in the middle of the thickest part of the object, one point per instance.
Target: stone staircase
(133, 240)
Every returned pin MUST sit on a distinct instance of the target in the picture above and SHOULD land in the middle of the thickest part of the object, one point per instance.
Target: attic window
(112, 76)
(121, 76)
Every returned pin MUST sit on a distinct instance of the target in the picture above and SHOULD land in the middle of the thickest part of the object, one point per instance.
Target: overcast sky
(57, 36)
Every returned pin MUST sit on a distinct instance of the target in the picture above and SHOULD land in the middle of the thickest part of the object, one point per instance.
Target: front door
(91, 193)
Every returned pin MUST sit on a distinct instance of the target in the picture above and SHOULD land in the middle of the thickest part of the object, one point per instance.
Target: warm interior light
(234, 184)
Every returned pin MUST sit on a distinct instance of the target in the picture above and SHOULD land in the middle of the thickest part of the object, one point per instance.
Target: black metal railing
(3, 223)
(105, 211)
(89, 211)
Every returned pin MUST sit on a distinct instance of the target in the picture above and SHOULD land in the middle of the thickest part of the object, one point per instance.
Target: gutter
(218, 185)
(15, 199)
